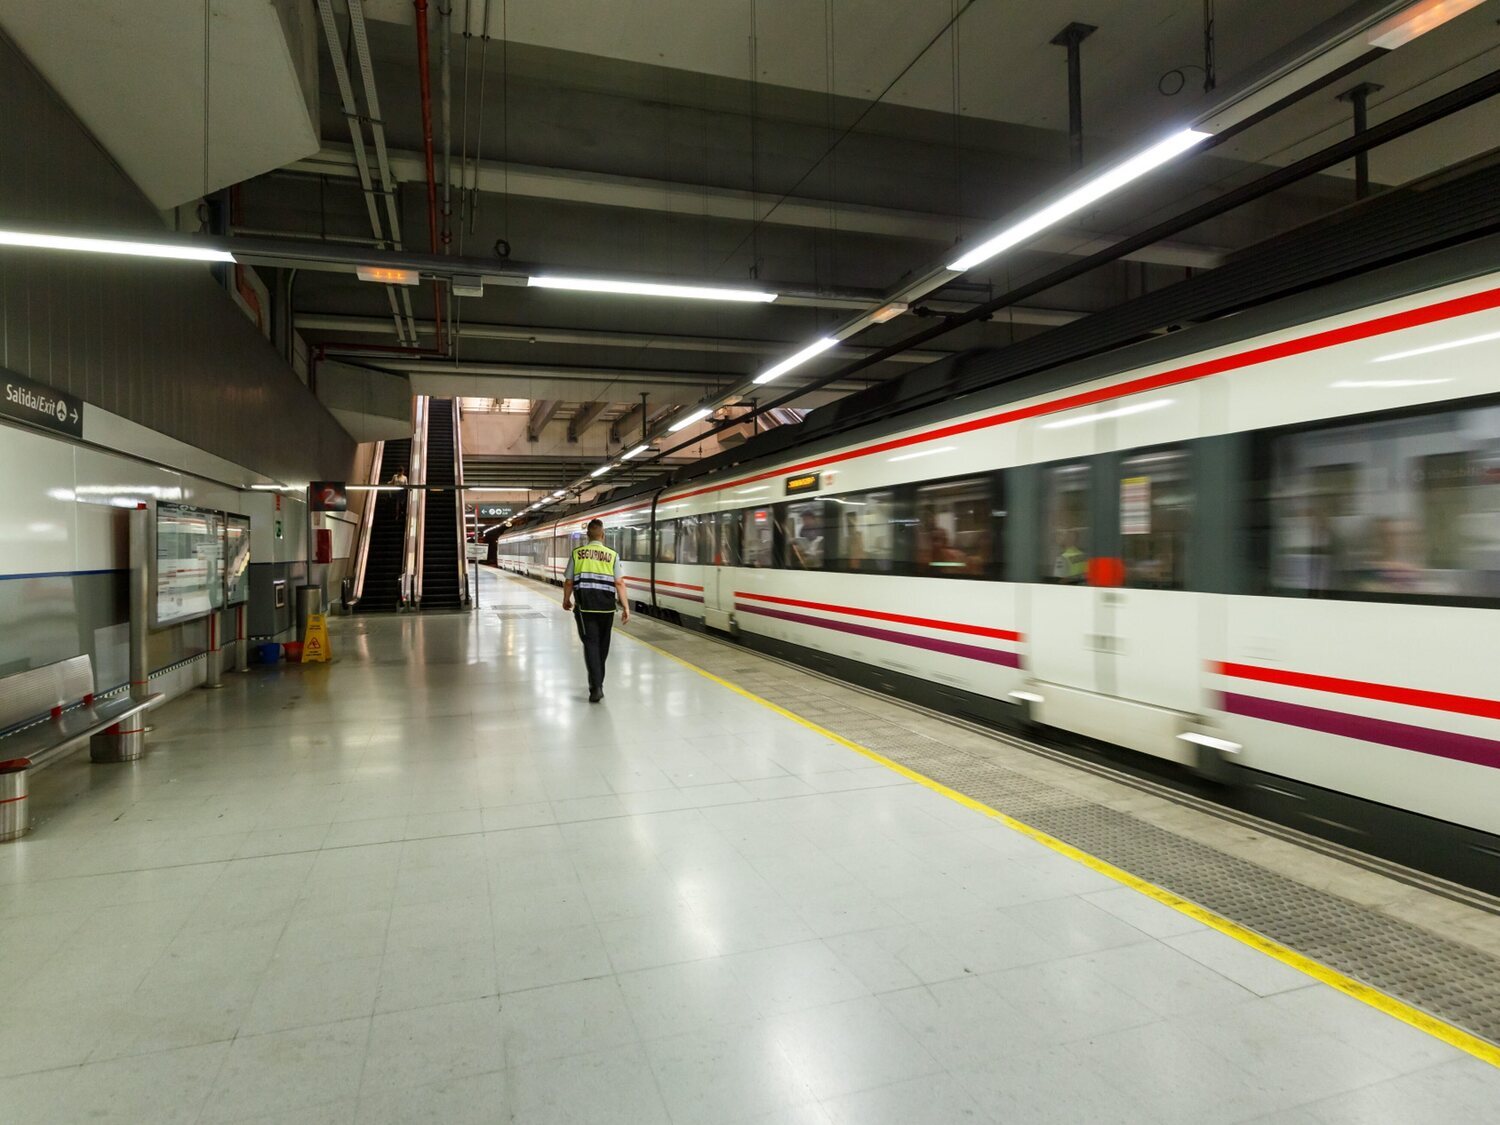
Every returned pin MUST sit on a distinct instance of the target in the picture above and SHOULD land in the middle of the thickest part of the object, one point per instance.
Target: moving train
(1265, 549)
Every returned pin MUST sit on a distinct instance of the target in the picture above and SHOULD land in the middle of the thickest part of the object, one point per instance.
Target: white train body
(1355, 647)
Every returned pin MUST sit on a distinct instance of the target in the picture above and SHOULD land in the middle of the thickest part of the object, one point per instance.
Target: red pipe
(424, 72)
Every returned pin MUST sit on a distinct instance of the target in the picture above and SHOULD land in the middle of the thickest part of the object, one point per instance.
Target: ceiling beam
(600, 189)
(446, 379)
(584, 416)
(627, 425)
(643, 341)
(541, 413)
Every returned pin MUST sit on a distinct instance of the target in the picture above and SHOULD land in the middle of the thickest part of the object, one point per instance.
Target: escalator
(383, 564)
(442, 586)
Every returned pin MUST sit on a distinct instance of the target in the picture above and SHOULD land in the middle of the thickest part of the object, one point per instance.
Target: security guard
(591, 574)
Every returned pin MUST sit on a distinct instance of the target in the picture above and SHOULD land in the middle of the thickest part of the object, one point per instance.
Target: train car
(1270, 543)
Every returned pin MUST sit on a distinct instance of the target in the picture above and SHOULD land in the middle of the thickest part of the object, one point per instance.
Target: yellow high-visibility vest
(593, 566)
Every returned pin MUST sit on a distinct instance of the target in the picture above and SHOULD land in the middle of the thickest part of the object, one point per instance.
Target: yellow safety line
(1454, 1036)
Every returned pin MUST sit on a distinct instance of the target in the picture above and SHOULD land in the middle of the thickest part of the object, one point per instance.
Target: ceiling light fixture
(601, 470)
(807, 353)
(652, 289)
(177, 251)
(1082, 196)
(889, 312)
(1417, 20)
(636, 452)
(696, 416)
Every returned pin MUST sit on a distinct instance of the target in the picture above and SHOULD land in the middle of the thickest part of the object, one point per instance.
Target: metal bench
(47, 712)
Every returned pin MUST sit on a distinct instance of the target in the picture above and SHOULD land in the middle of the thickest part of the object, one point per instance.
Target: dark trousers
(593, 631)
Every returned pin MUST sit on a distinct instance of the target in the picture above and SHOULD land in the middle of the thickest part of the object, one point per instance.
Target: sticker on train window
(807, 482)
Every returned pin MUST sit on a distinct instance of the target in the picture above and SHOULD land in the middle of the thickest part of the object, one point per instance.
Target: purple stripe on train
(911, 640)
(1422, 740)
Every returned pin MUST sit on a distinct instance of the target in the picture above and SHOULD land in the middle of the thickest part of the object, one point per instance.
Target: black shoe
(595, 695)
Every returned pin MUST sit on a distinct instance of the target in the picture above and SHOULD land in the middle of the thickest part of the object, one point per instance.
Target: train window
(726, 539)
(1405, 507)
(954, 528)
(760, 549)
(872, 528)
(612, 539)
(1066, 542)
(806, 534)
(631, 548)
(688, 540)
(1156, 501)
(666, 541)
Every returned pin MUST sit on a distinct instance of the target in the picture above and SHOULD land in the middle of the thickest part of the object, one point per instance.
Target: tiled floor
(432, 883)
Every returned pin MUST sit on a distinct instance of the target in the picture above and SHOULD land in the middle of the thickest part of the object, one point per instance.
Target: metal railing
(367, 522)
(458, 501)
(416, 520)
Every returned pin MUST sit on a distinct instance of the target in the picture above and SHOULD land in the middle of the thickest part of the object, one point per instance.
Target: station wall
(184, 400)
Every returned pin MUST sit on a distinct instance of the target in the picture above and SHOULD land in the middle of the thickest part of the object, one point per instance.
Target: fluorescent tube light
(696, 416)
(636, 452)
(651, 289)
(923, 453)
(807, 353)
(601, 470)
(559, 492)
(1117, 412)
(1443, 347)
(1417, 20)
(1080, 197)
(176, 251)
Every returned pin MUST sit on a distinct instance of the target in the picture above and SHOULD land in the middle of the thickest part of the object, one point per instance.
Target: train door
(1149, 624)
(1113, 634)
(721, 546)
(1063, 628)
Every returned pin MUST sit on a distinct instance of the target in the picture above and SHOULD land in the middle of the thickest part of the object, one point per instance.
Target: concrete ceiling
(831, 151)
(158, 88)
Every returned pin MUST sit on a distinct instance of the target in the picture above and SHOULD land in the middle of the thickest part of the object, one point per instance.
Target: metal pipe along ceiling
(424, 77)
(357, 138)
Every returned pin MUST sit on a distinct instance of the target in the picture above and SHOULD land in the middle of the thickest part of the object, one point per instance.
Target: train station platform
(429, 881)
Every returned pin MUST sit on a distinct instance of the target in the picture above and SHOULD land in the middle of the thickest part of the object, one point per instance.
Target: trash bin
(268, 653)
(293, 651)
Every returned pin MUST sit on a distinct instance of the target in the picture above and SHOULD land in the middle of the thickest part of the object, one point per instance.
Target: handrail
(417, 519)
(367, 522)
(458, 502)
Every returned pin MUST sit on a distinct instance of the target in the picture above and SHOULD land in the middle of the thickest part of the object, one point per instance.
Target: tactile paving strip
(1455, 982)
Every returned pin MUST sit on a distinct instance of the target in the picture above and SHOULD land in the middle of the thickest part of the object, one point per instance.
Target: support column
(1072, 38)
(1359, 99)
(126, 740)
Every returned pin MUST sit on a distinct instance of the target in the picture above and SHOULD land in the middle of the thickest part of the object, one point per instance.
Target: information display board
(236, 559)
(189, 561)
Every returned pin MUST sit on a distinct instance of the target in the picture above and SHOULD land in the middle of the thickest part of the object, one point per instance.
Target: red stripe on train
(1363, 689)
(881, 615)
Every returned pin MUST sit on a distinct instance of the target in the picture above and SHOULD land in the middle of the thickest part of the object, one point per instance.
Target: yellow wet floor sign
(315, 648)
